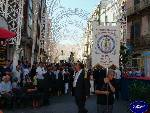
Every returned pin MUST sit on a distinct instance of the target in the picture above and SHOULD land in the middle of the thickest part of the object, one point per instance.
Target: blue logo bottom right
(139, 106)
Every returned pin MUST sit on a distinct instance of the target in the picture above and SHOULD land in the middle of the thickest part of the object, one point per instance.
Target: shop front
(5, 35)
(147, 63)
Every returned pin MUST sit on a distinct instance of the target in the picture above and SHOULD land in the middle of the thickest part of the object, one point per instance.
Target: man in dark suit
(81, 88)
(46, 84)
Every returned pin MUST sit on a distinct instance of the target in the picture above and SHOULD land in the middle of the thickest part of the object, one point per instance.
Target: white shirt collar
(76, 78)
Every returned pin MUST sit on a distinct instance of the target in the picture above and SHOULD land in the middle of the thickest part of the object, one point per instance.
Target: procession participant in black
(99, 73)
(71, 79)
(60, 82)
(81, 88)
(47, 83)
(105, 93)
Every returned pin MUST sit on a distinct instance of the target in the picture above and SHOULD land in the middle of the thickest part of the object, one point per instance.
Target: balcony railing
(142, 43)
(138, 7)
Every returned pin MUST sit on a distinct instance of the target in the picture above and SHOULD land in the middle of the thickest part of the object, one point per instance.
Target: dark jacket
(49, 79)
(82, 86)
(99, 75)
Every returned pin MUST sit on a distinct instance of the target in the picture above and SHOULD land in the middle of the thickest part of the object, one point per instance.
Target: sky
(87, 5)
(72, 33)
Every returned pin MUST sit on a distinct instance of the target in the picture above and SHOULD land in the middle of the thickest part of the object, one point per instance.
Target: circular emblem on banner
(106, 44)
(138, 107)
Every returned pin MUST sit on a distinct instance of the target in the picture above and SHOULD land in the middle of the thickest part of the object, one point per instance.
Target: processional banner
(106, 46)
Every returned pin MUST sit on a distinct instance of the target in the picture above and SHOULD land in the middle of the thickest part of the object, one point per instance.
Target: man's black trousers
(80, 102)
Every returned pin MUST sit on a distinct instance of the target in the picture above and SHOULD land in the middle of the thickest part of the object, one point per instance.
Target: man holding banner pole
(106, 52)
(105, 93)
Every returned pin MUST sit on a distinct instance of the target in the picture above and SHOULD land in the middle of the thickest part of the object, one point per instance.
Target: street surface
(65, 104)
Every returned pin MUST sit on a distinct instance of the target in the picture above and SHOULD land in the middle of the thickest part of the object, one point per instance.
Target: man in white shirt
(81, 88)
(76, 78)
(17, 73)
(40, 71)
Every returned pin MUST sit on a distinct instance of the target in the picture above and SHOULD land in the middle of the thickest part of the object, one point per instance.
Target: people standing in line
(71, 79)
(66, 80)
(92, 91)
(56, 72)
(81, 88)
(105, 93)
(60, 82)
(17, 73)
(40, 71)
(47, 84)
(33, 70)
(53, 81)
(40, 78)
(26, 71)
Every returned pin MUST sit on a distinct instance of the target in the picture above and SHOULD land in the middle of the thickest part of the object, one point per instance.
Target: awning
(6, 34)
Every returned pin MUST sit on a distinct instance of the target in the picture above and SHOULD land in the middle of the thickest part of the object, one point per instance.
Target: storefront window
(30, 21)
(3, 23)
(149, 24)
(30, 4)
(147, 63)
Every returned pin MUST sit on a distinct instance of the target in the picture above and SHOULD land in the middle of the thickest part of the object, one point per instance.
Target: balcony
(138, 7)
(142, 43)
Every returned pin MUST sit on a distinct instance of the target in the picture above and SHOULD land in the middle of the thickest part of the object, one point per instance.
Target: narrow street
(82, 47)
(65, 104)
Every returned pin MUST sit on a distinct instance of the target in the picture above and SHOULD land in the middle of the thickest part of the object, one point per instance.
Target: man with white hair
(105, 93)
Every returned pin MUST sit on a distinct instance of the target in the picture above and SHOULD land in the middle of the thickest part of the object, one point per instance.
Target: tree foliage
(124, 55)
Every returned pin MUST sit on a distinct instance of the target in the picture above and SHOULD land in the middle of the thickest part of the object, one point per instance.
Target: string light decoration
(57, 13)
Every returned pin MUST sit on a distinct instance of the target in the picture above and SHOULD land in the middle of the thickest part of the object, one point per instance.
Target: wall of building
(130, 3)
(129, 24)
(140, 45)
(144, 26)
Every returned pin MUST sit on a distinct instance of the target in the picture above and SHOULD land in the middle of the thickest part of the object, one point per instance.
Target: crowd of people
(33, 85)
(36, 83)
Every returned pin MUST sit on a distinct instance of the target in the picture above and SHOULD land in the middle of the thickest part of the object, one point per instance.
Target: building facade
(107, 13)
(138, 35)
(28, 18)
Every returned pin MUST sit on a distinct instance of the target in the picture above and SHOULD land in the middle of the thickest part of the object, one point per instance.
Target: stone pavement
(65, 104)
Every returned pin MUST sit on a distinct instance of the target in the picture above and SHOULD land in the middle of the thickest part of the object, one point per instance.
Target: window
(132, 32)
(30, 21)
(149, 24)
(136, 4)
(30, 4)
(29, 17)
(3, 23)
(136, 30)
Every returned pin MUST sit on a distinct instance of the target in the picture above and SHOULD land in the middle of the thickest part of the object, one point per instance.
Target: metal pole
(105, 17)
(107, 88)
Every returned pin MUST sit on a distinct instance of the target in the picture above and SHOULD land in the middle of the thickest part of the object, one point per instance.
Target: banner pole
(107, 88)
